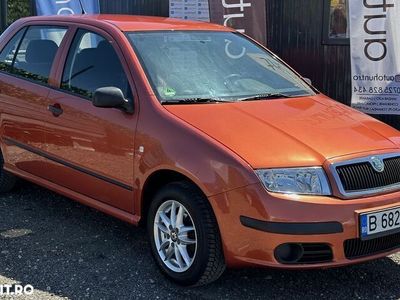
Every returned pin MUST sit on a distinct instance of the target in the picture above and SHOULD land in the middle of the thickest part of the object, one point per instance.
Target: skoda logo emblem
(378, 164)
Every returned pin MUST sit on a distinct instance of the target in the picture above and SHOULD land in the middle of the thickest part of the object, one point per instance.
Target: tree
(18, 9)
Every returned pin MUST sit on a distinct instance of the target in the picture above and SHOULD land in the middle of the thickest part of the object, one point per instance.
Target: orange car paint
(216, 146)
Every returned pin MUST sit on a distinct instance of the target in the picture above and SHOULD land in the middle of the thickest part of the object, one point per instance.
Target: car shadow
(70, 250)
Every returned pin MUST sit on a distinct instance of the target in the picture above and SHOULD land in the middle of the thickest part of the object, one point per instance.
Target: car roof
(136, 23)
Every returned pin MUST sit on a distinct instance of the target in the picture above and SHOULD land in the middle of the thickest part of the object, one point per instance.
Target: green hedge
(18, 9)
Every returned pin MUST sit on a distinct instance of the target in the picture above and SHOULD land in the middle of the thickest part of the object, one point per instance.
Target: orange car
(229, 156)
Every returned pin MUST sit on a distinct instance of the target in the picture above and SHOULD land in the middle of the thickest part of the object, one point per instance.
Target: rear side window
(93, 63)
(8, 52)
(37, 51)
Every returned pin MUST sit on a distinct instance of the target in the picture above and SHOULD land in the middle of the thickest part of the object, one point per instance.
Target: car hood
(289, 132)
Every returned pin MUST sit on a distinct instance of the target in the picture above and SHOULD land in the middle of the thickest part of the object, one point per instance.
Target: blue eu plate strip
(364, 225)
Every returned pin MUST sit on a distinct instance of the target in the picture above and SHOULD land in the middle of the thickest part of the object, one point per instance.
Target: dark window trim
(46, 85)
(10, 67)
(26, 29)
(130, 95)
(41, 83)
(71, 45)
(18, 47)
(326, 40)
(57, 89)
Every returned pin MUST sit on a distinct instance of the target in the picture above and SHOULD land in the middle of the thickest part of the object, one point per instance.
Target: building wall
(137, 7)
(295, 33)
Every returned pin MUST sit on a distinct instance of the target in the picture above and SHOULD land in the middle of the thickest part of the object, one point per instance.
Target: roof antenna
(82, 7)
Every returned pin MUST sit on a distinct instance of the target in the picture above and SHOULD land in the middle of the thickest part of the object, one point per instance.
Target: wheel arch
(154, 182)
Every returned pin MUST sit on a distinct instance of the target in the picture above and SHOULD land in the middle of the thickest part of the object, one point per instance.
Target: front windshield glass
(219, 66)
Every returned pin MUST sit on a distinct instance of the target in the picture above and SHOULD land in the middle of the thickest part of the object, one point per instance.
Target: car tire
(201, 262)
(7, 180)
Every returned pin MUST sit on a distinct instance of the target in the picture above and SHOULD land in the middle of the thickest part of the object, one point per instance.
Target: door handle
(55, 109)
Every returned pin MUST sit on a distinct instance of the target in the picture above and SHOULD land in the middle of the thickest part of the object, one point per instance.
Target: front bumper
(294, 219)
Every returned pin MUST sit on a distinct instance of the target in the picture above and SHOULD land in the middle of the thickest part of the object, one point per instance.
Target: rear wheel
(184, 235)
(7, 180)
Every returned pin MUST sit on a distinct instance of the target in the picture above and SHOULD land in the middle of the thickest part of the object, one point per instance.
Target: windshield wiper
(265, 97)
(194, 100)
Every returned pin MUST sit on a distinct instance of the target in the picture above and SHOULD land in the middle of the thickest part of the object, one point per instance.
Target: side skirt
(105, 208)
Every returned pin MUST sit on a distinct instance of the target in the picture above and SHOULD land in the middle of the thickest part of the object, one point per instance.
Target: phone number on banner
(376, 90)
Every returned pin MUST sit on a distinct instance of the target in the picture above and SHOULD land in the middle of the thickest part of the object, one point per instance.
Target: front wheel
(184, 236)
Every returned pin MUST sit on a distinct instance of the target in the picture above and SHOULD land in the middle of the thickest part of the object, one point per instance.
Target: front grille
(362, 176)
(357, 248)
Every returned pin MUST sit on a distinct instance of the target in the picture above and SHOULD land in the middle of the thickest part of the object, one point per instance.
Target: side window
(37, 51)
(8, 52)
(92, 63)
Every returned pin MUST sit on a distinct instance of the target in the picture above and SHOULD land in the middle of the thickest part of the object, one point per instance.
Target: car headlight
(305, 181)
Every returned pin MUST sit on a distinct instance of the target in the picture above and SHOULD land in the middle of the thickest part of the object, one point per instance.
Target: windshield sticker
(169, 92)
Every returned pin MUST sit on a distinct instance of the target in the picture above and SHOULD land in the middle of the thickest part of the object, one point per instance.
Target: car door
(25, 69)
(90, 149)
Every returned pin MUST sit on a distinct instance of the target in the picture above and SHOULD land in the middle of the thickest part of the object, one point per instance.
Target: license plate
(380, 223)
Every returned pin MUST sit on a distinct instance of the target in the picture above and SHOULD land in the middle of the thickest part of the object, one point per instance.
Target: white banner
(375, 55)
(190, 10)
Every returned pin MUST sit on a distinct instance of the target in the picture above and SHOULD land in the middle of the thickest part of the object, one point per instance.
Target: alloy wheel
(175, 236)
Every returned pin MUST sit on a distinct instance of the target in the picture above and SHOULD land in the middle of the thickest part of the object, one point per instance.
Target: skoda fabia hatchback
(226, 154)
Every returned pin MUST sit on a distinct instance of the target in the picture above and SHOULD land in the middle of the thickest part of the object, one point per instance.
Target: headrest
(104, 49)
(85, 58)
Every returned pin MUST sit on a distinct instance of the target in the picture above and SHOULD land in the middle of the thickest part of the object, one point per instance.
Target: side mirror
(111, 97)
(308, 80)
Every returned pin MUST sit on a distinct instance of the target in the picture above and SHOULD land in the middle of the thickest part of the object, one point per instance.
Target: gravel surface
(68, 251)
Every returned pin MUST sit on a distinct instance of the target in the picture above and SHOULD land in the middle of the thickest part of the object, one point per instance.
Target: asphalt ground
(69, 251)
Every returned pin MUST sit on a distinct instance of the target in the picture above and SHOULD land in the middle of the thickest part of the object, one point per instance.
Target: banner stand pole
(33, 7)
(3, 15)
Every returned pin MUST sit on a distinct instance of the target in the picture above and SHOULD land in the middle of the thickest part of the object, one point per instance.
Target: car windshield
(212, 66)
